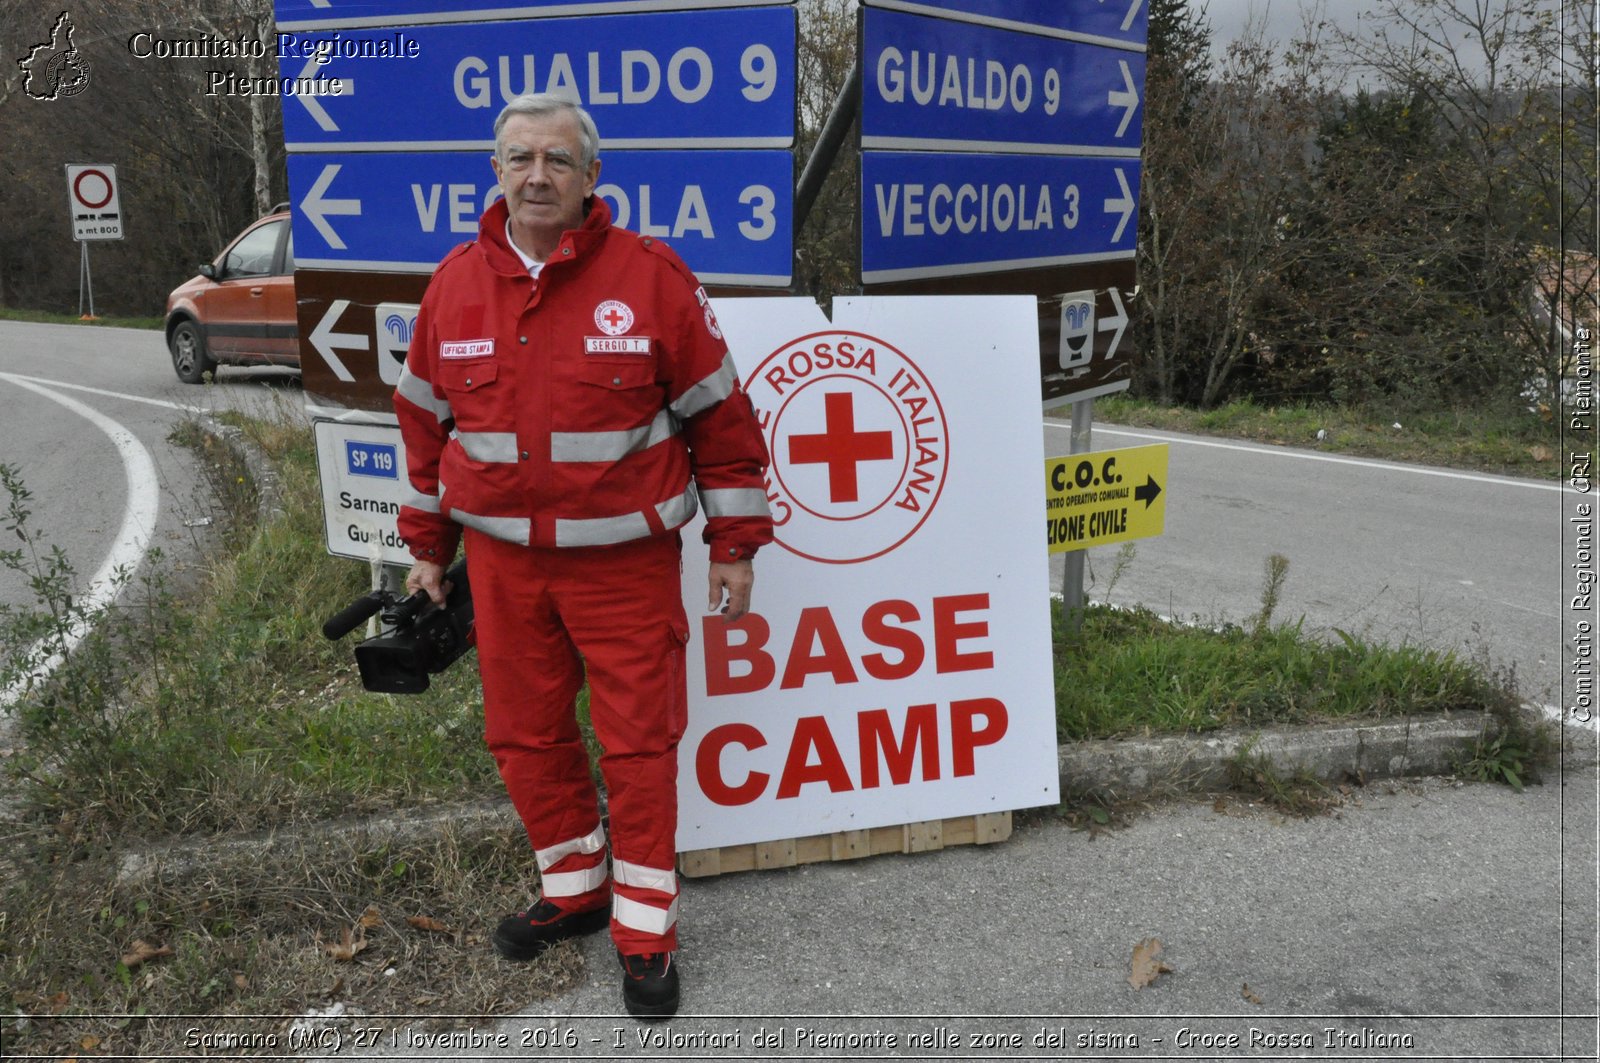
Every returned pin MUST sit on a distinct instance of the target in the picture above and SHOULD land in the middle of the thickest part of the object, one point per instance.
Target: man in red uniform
(565, 384)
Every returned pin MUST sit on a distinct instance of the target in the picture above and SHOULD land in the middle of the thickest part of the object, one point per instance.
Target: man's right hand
(428, 576)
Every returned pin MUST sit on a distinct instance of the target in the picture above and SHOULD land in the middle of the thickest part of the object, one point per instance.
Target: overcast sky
(1281, 20)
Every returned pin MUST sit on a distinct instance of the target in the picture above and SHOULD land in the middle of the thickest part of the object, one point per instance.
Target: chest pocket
(467, 376)
(617, 374)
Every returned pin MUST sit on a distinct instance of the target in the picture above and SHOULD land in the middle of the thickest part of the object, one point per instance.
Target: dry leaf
(141, 951)
(1147, 965)
(241, 981)
(346, 949)
(1249, 994)
(370, 918)
(428, 923)
(89, 1042)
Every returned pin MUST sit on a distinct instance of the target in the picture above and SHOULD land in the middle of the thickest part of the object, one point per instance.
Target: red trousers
(542, 615)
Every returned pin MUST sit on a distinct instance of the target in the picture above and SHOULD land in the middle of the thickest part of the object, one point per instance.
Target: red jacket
(572, 410)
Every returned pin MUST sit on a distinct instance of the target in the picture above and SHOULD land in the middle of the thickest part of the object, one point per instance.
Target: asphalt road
(1394, 553)
(85, 416)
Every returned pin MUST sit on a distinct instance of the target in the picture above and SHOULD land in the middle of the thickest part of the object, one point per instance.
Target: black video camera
(418, 638)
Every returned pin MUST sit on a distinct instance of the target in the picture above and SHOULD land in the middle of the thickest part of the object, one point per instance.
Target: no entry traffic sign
(93, 199)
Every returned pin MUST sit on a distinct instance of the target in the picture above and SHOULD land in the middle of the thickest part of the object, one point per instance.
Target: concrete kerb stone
(1123, 769)
(1119, 769)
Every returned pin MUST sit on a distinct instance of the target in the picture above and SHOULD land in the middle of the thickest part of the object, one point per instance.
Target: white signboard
(95, 202)
(362, 466)
(896, 665)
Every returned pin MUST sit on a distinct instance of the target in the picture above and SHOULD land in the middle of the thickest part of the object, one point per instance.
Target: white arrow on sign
(1127, 22)
(325, 340)
(319, 114)
(1117, 324)
(316, 208)
(1124, 205)
(1127, 98)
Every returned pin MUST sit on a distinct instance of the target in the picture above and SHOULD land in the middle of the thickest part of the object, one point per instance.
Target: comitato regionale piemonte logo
(55, 68)
(859, 444)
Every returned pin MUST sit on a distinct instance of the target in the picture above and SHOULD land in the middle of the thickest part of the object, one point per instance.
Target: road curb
(1114, 769)
(1123, 769)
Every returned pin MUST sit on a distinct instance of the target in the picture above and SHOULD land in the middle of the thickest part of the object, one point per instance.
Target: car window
(252, 255)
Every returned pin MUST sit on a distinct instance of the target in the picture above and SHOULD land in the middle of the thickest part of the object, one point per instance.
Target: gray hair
(541, 103)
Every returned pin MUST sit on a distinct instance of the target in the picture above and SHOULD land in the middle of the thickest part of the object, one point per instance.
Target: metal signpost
(1001, 144)
(95, 206)
(389, 170)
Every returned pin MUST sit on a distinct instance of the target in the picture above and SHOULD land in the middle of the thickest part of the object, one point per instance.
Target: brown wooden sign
(354, 331)
(1097, 357)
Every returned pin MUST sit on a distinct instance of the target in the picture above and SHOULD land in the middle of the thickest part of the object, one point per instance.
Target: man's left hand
(736, 578)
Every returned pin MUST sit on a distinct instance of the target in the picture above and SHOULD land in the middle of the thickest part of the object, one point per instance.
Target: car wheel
(189, 358)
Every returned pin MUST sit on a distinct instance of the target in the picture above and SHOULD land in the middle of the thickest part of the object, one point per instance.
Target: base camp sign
(896, 666)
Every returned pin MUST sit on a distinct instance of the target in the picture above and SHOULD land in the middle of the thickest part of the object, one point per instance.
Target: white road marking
(132, 541)
(163, 403)
(1280, 452)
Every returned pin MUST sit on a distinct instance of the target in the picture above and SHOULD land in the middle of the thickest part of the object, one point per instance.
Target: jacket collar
(574, 244)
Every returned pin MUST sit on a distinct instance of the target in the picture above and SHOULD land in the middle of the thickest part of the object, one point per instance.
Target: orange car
(240, 310)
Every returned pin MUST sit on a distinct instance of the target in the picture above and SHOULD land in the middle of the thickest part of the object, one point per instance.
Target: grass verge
(224, 712)
(1130, 672)
(103, 320)
(1513, 442)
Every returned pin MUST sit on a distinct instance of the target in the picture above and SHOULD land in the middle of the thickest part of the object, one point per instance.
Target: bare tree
(1222, 187)
(825, 246)
(1512, 88)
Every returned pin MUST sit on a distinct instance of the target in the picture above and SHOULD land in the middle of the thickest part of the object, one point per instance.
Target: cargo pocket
(677, 661)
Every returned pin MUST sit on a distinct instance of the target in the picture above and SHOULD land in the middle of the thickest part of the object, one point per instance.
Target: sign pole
(1072, 572)
(85, 279)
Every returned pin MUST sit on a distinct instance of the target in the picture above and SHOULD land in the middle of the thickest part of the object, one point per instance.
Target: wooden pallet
(848, 845)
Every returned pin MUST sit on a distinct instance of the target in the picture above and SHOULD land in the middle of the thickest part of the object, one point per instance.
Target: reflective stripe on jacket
(593, 405)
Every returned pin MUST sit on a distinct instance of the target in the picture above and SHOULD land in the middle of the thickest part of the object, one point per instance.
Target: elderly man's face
(541, 173)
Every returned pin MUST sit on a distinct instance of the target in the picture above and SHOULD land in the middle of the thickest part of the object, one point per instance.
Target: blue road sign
(297, 15)
(674, 79)
(934, 84)
(1120, 23)
(729, 214)
(371, 459)
(927, 214)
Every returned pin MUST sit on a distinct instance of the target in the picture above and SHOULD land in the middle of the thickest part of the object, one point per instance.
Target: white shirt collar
(532, 265)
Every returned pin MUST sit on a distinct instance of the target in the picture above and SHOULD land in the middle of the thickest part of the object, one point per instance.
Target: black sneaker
(527, 934)
(650, 985)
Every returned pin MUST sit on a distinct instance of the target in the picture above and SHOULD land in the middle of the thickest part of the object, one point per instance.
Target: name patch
(467, 349)
(616, 344)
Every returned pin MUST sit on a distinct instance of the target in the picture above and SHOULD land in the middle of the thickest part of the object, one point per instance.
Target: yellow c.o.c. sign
(1106, 496)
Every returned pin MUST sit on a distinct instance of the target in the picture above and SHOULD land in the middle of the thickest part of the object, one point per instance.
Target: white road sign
(94, 201)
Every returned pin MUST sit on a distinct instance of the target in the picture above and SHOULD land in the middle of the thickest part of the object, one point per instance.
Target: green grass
(1129, 672)
(229, 710)
(1513, 442)
(103, 320)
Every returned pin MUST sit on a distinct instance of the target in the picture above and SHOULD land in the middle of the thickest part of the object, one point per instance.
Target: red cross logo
(840, 447)
(613, 317)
